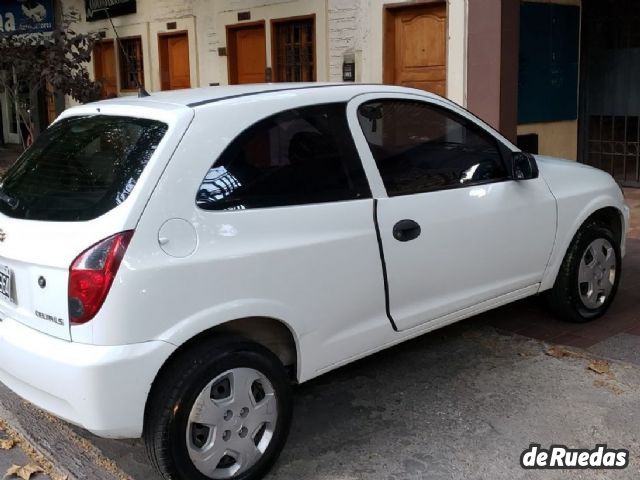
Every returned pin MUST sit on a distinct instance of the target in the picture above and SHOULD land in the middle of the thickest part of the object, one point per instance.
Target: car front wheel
(589, 276)
(221, 410)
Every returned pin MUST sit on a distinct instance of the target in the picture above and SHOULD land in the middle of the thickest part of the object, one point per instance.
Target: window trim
(367, 195)
(477, 124)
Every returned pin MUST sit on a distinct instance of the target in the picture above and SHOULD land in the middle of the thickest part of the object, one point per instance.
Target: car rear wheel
(589, 276)
(220, 411)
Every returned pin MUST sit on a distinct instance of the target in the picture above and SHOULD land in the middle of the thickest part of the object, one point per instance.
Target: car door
(455, 230)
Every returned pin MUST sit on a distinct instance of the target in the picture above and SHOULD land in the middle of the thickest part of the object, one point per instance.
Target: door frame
(173, 33)
(274, 57)
(388, 38)
(232, 51)
(8, 136)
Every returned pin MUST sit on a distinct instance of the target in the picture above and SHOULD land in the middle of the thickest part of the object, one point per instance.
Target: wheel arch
(608, 215)
(273, 334)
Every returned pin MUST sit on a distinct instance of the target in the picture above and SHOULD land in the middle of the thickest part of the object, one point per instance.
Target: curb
(54, 443)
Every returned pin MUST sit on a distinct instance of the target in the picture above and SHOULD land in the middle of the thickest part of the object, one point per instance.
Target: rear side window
(80, 168)
(300, 156)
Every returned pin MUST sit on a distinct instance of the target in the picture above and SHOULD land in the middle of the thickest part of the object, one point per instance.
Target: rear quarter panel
(316, 267)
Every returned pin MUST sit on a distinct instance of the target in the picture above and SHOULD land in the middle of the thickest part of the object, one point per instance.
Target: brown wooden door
(247, 50)
(293, 49)
(104, 65)
(175, 70)
(416, 47)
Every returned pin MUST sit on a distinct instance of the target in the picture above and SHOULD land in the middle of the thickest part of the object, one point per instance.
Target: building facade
(521, 65)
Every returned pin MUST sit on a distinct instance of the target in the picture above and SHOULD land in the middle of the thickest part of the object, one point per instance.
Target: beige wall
(212, 27)
(342, 27)
(558, 139)
(204, 21)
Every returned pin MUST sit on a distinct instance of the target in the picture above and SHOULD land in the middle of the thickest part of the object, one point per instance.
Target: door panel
(104, 64)
(175, 70)
(415, 47)
(247, 54)
(455, 231)
(476, 243)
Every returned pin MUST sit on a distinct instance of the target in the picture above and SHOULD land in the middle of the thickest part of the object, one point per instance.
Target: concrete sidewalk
(16, 452)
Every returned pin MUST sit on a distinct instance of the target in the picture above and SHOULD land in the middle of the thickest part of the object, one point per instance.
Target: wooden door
(175, 69)
(247, 50)
(104, 65)
(293, 49)
(415, 47)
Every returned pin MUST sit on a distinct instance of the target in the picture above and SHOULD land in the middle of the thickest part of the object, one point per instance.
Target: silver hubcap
(597, 273)
(231, 423)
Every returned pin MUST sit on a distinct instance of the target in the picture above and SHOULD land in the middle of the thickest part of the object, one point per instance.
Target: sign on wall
(97, 9)
(26, 16)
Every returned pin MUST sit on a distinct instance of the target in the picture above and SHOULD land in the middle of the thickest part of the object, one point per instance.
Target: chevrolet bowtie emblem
(2, 235)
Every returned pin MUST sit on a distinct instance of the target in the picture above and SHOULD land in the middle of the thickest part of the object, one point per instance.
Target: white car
(170, 265)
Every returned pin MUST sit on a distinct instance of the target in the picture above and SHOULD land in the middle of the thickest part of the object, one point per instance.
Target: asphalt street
(459, 403)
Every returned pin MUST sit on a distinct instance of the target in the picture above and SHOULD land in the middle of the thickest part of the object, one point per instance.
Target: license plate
(6, 277)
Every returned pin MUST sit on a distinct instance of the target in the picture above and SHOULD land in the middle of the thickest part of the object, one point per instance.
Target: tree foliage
(31, 63)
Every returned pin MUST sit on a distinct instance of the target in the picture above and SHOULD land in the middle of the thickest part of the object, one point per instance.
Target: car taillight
(91, 275)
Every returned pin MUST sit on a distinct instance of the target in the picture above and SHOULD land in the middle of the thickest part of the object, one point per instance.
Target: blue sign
(26, 16)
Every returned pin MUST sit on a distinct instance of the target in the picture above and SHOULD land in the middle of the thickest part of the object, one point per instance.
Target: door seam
(385, 279)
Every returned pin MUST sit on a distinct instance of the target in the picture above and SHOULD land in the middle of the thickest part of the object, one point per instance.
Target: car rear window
(80, 168)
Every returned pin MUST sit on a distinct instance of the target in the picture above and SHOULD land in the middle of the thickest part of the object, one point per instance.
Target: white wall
(342, 27)
(212, 18)
(357, 26)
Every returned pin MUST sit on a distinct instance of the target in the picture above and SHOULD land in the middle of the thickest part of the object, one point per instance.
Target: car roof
(195, 97)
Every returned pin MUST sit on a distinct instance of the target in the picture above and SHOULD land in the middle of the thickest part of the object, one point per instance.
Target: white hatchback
(169, 265)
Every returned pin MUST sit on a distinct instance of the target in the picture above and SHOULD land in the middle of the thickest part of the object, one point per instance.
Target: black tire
(564, 298)
(179, 384)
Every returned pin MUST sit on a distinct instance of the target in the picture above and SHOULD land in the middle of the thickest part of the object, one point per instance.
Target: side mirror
(523, 166)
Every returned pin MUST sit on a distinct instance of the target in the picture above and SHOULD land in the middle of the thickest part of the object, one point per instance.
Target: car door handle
(406, 230)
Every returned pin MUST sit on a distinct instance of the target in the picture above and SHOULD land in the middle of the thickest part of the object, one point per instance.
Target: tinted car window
(300, 156)
(80, 168)
(419, 147)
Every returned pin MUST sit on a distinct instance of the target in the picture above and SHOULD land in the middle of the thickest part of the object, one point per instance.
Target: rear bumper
(103, 389)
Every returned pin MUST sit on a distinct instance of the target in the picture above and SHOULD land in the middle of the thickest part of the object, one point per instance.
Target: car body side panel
(314, 267)
(580, 191)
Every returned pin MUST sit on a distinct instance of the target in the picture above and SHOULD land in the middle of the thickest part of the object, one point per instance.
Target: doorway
(247, 53)
(175, 69)
(610, 89)
(293, 49)
(8, 119)
(415, 46)
(104, 68)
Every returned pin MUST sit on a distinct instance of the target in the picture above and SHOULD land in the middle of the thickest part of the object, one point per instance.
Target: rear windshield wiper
(9, 200)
